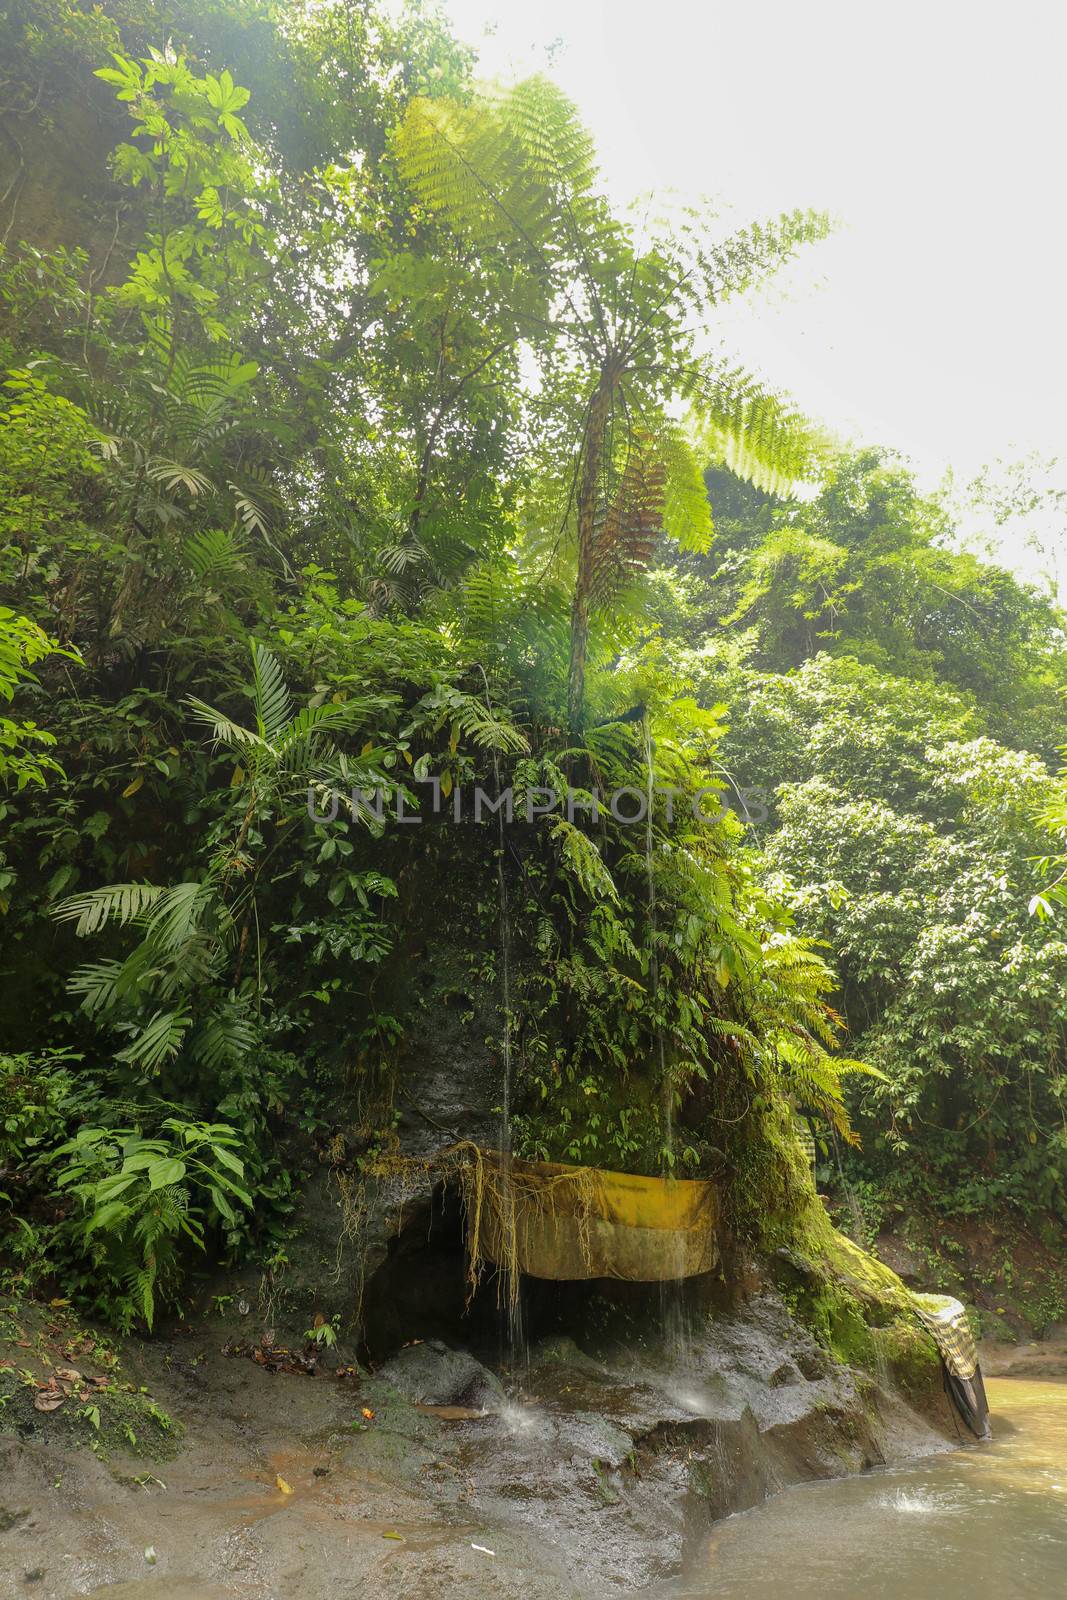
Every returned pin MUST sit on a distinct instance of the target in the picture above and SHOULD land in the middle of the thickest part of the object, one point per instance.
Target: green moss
(910, 1356)
(770, 1202)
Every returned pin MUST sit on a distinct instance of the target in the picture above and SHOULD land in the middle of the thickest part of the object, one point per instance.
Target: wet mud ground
(588, 1476)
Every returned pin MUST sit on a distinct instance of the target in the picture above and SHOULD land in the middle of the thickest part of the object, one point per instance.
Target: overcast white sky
(934, 320)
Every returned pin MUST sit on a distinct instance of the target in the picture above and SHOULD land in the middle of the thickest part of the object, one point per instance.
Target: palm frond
(174, 475)
(270, 696)
(176, 916)
(216, 553)
(223, 728)
(157, 1042)
(124, 902)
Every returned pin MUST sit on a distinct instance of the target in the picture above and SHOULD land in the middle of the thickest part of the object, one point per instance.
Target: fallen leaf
(282, 1485)
(150, 1555)
(68, 1374)
(368, 1413)
(48, 1399)
(392, 1535)
(57, 1303)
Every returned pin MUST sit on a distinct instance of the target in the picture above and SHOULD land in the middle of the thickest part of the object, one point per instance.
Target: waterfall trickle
(513, 1337)
(673, 1312)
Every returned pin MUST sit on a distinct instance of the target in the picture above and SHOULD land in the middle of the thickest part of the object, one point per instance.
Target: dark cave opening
(420, 1292)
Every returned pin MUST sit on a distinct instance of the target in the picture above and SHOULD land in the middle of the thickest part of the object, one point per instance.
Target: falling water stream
(672, 1297)
(988, 1522)
(513, 1341)
(513, 1334)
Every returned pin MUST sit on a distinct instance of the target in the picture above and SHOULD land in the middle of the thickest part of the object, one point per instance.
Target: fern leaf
(627, 533)
(584, 860)
(754, 432)
(510, 166)
(751, 254)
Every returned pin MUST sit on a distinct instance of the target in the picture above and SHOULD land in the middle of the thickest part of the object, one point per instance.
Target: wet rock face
(594, 1468)
(615, 1463)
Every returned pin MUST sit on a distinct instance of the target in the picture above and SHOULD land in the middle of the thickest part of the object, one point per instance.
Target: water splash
(913, 1503)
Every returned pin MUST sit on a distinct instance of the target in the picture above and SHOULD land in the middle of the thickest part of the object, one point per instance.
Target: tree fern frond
(751, 254)
(687, 511)
(753, 432)
(512, 166)
(626, 533)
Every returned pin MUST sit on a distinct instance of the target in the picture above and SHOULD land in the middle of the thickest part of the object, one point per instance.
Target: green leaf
(166, 1172)
(223, 1206)
(228, 1159)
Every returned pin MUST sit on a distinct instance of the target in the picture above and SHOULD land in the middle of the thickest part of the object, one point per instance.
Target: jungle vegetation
(351, 441)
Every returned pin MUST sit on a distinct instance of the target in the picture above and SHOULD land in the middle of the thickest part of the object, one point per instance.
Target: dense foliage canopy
(351, 443)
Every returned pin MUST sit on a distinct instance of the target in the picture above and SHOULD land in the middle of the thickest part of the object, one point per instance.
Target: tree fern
(514, 172)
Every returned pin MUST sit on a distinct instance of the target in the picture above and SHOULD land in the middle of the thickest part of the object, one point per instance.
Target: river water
(983, 1523)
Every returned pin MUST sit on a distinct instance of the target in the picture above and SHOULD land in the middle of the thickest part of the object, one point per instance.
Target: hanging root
(499, 1197)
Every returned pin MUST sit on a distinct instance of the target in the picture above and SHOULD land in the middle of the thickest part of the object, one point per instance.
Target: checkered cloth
(944, 1318)
(805, 1138)
(946, 1322)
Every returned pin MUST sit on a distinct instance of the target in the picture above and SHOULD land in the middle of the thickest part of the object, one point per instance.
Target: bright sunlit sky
(934, 320)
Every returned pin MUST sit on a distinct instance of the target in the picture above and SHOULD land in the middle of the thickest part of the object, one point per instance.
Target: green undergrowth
(45, 1351)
